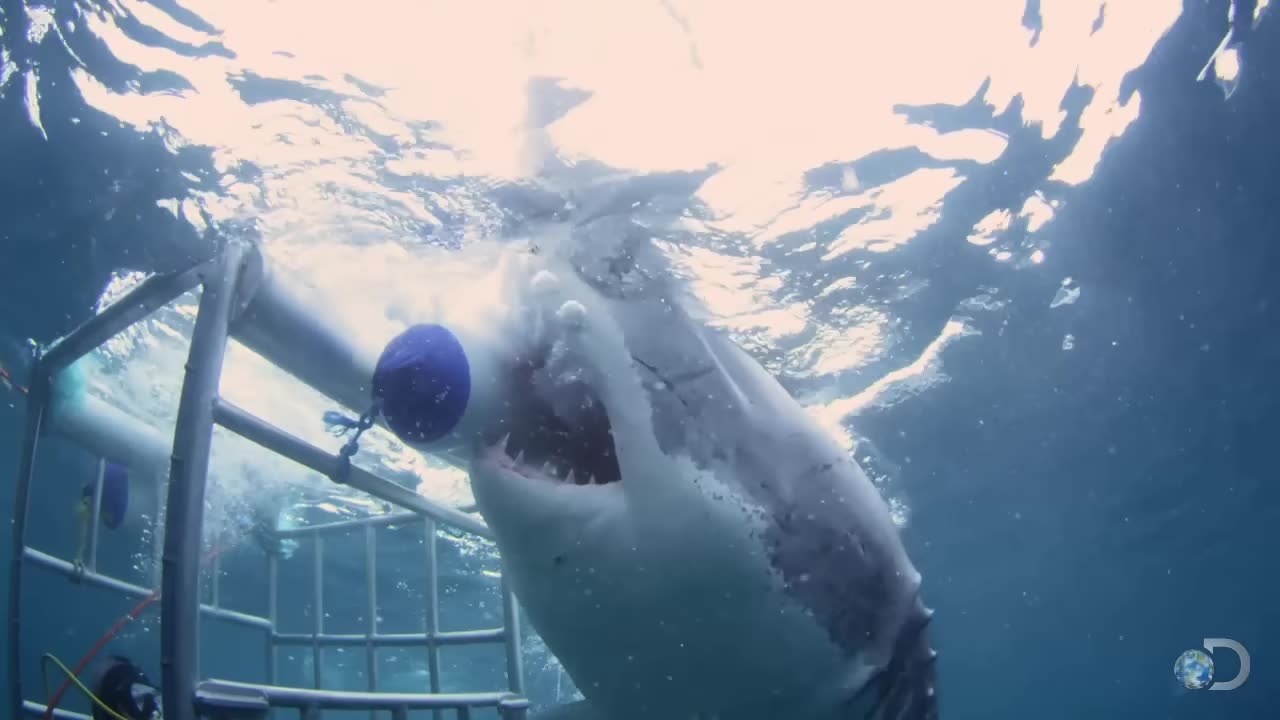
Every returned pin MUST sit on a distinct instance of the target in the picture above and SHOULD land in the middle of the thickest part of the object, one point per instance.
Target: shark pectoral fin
(580, 710)
(906, 689)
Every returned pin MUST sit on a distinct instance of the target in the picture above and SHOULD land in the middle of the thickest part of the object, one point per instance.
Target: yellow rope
(44, 674)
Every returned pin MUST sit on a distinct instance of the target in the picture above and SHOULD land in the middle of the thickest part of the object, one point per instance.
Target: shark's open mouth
(562, 434)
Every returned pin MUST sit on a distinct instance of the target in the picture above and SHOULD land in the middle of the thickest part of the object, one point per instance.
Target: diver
(123, 691)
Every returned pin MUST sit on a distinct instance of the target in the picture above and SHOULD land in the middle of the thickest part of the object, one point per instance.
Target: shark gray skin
(685, 538)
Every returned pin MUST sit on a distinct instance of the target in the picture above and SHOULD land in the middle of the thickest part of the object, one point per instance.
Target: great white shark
(685, 538)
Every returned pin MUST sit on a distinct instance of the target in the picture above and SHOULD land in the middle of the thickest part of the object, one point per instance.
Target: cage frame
(229, 282)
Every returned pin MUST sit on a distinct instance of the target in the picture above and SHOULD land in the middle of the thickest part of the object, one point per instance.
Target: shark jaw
(554, 464)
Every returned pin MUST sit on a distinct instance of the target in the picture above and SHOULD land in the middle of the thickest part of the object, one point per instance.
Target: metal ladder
(185, 695)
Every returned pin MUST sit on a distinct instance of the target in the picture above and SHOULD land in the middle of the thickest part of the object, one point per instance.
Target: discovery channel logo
(1194, 668)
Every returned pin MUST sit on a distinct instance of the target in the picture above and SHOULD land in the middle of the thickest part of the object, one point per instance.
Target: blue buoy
(115, 494)
(423, 382)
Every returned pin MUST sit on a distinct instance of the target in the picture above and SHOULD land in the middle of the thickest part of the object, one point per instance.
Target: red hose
(7, 380)
(109, 636)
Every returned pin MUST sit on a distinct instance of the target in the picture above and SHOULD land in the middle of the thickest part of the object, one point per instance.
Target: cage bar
(317, 608)
(301, 698)
(511, 619)
(37, 398)
(106, 431)
(280, 324)
(35, 709)
(432, 610)
(437, 639)
(273, 609)
(215, 582)
(188, 475)
(371, 588)
(300, 451)
(95, 518)
(136, 304)
(339, 526)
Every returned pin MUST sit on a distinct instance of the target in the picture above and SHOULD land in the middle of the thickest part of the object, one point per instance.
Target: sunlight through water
(410, 142)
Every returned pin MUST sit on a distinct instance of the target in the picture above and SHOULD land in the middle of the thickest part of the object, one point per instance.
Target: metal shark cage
(240, 298)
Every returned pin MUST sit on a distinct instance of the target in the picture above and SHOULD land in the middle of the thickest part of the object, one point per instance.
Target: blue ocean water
(1087, 487)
